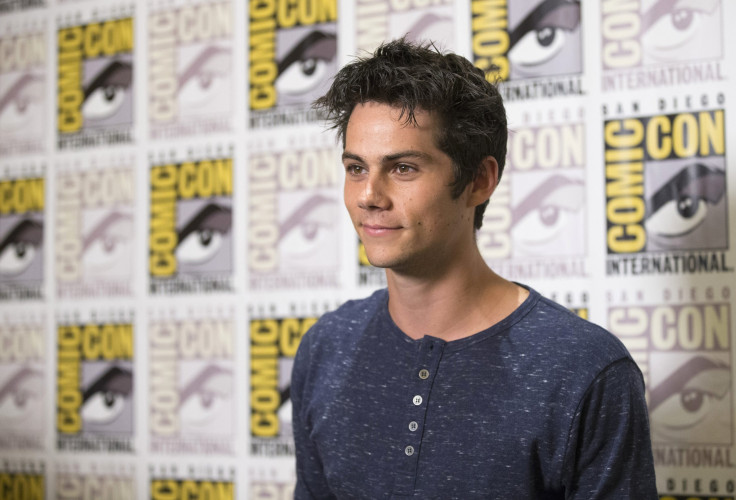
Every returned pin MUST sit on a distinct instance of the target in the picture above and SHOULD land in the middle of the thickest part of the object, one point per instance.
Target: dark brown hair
(470, 111)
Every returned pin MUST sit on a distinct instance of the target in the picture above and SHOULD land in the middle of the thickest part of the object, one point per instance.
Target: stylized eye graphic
(104, 96)
(307, 226)
(671, 24)
(205, 77)
(204, 396)
(431, 27)
(541, 34)
(19, 393)
(305, 66)
(201, 237)
(681, 205)
(19, 248)
(108, 240)
(545, 213)
(104, 400)
(687, 397)
(16, 103)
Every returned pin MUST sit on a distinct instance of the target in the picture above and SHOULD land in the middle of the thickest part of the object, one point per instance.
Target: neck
(452, 301)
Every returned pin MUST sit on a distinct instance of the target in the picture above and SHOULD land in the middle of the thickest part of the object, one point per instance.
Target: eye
(18, 104)
(205, 77)
(105, 398)
(20, 394)
(542, 34)
(537, 47)
(306, 65)
(309, 227)
(681, 205)
(105, 95)
(107, 243)
(202, 237)
(673, 29)
(16, 257)
(543, 216)
(206, 395)
(18, 249)
(687, 399)
(103, 407)
(103, 102)
(353, 169)
(678, 217)
(404, 169)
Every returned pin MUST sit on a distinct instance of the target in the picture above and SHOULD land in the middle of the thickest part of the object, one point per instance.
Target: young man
(453, 382)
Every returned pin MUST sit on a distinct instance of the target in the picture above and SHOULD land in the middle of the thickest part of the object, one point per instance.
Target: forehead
(383, 122)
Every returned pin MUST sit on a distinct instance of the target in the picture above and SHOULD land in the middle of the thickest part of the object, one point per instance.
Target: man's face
(397, 191)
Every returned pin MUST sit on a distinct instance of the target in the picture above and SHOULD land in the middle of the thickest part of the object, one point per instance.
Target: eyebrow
(664, 7)
(203, 57)
(695, 179)
(27, 231)
(677, 380)
(16, 379)
(218, 216)
(302, 212)
(16, 89)
(102, 226)
(535, 199)
(410, 153)
(117, 72)
(115, 379)
(296, 53)
(194, 385)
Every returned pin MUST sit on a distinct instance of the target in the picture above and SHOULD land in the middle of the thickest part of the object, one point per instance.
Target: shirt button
(413, 426)
(409, 450)
(423, 374)
(417, 400)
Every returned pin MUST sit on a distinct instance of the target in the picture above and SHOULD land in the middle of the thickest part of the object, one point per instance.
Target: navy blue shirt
(541, 405)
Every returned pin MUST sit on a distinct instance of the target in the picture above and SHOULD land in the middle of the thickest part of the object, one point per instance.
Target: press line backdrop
(171, 221)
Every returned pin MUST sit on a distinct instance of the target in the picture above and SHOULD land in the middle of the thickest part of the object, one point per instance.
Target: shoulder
(562, 338)
(350, 317)
(338, 331)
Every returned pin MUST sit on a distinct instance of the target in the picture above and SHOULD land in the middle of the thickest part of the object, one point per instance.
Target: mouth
(379, 229)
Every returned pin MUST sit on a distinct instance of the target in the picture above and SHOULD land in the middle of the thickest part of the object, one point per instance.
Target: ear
(485, 182)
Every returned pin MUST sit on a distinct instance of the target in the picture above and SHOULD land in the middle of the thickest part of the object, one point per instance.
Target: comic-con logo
(653, 32)
(293, 222)
(94, 231)
(191, 489)
(119, 484)
(21, 236)
(684, 352)
(22, 96)
(666, 182)
(273, 345)
(293, 54)
(22, 386)
(190, 221)
(191, 407)
(22, 486)
(527, 39)
(190, 69)
(534, 225)
(95, 77)
(95, 379)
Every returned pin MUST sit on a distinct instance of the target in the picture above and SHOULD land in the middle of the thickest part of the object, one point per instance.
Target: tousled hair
(409, 76)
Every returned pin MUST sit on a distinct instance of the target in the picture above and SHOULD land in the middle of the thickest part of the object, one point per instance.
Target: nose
(373, 196)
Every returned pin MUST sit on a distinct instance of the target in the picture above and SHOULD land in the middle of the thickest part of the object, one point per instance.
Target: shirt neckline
(455, 345)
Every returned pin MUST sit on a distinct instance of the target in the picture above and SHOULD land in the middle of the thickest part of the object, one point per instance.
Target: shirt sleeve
(311, 482)
(609, 451)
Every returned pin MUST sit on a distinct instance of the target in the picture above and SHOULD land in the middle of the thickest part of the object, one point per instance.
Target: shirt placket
(420, 384)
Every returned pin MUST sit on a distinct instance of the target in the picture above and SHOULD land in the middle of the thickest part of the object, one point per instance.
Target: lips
(379, 229)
